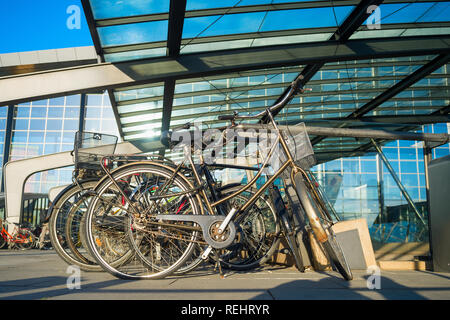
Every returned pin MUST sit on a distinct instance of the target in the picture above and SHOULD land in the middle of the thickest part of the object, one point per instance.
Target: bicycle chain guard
(209, 225)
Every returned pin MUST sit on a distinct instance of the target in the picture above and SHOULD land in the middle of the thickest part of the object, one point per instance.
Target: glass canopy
(380, 92)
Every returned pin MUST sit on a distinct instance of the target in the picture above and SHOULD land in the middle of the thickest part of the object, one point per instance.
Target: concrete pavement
(38, 274)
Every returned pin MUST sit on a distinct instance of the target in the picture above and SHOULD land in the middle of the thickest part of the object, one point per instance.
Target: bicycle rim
(258, 234)
(57, 225)
(156, 254)
(26, 239)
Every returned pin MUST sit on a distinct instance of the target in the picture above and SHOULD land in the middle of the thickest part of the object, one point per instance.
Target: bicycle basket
(300, 147)
(90, 147)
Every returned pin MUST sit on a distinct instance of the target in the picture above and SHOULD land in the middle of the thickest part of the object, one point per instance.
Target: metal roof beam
(402, 85)
(304, 111)
(27, 87)
(408, 81)
(283, 85)
(442, 111)
(273, 71)
(174, 35)
(392, 121)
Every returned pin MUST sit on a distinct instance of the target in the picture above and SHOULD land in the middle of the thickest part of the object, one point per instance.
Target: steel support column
(83, 101)
(427, 157)
(8, 139)
(174, 36)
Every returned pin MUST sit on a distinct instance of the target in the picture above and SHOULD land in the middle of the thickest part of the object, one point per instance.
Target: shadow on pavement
(328, 288)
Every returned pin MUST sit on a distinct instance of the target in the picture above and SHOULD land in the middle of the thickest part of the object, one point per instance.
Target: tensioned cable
(258, 31)
(232, 99)
(261, 24)
(200, 33)
(345, 62)
(423, 14)
(211, 24)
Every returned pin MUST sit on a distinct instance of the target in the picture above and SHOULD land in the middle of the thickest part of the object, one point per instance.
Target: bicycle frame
(295, 169)
(16, 237)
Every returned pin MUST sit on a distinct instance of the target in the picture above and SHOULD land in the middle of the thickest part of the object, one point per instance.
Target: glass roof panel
(198, 5)
(254, 42)
(144, 117)
(414, 12)
(133, 33)
(139, 93)
(104, 9)
(135, 55)
(261, 21)
(366, 34)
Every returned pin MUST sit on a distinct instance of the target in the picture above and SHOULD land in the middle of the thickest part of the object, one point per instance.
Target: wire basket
(90, 147)
(300, 147)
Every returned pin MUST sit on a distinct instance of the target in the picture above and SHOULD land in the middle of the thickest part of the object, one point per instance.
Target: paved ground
(42, 275)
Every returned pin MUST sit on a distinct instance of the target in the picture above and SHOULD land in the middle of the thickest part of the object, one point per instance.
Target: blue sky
(28, 25)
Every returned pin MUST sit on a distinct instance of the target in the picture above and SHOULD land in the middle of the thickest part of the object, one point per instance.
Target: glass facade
(363, 187)
(49, 126)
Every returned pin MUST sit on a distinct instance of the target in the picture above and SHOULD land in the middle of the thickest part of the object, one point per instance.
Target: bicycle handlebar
(227, 117)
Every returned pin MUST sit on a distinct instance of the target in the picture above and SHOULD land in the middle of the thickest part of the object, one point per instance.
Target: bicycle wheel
(25, 239)
(258, 233)
(3, 241)
(322, 226)
(159, 248)
(59, 212)
(73, 234)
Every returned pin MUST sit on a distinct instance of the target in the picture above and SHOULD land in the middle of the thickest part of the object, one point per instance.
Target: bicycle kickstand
(217, 265)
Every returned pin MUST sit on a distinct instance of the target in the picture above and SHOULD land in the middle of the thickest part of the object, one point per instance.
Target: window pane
(37, 124)
(133, 33)
(55, 112)
(54, 124)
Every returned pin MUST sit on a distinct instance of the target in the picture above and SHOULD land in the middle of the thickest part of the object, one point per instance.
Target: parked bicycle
(21, 237)
(171, 211)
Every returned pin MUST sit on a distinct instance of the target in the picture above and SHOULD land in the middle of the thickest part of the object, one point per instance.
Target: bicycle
(164, 237)
(21, 237)
(112, 226)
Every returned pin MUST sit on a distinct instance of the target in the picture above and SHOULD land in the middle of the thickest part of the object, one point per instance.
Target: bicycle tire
(58, 217)
(73, 231)
(138, 267)
(262, 235)
(321, 228)
(28, 240)
(3, 242)
(291, 239)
